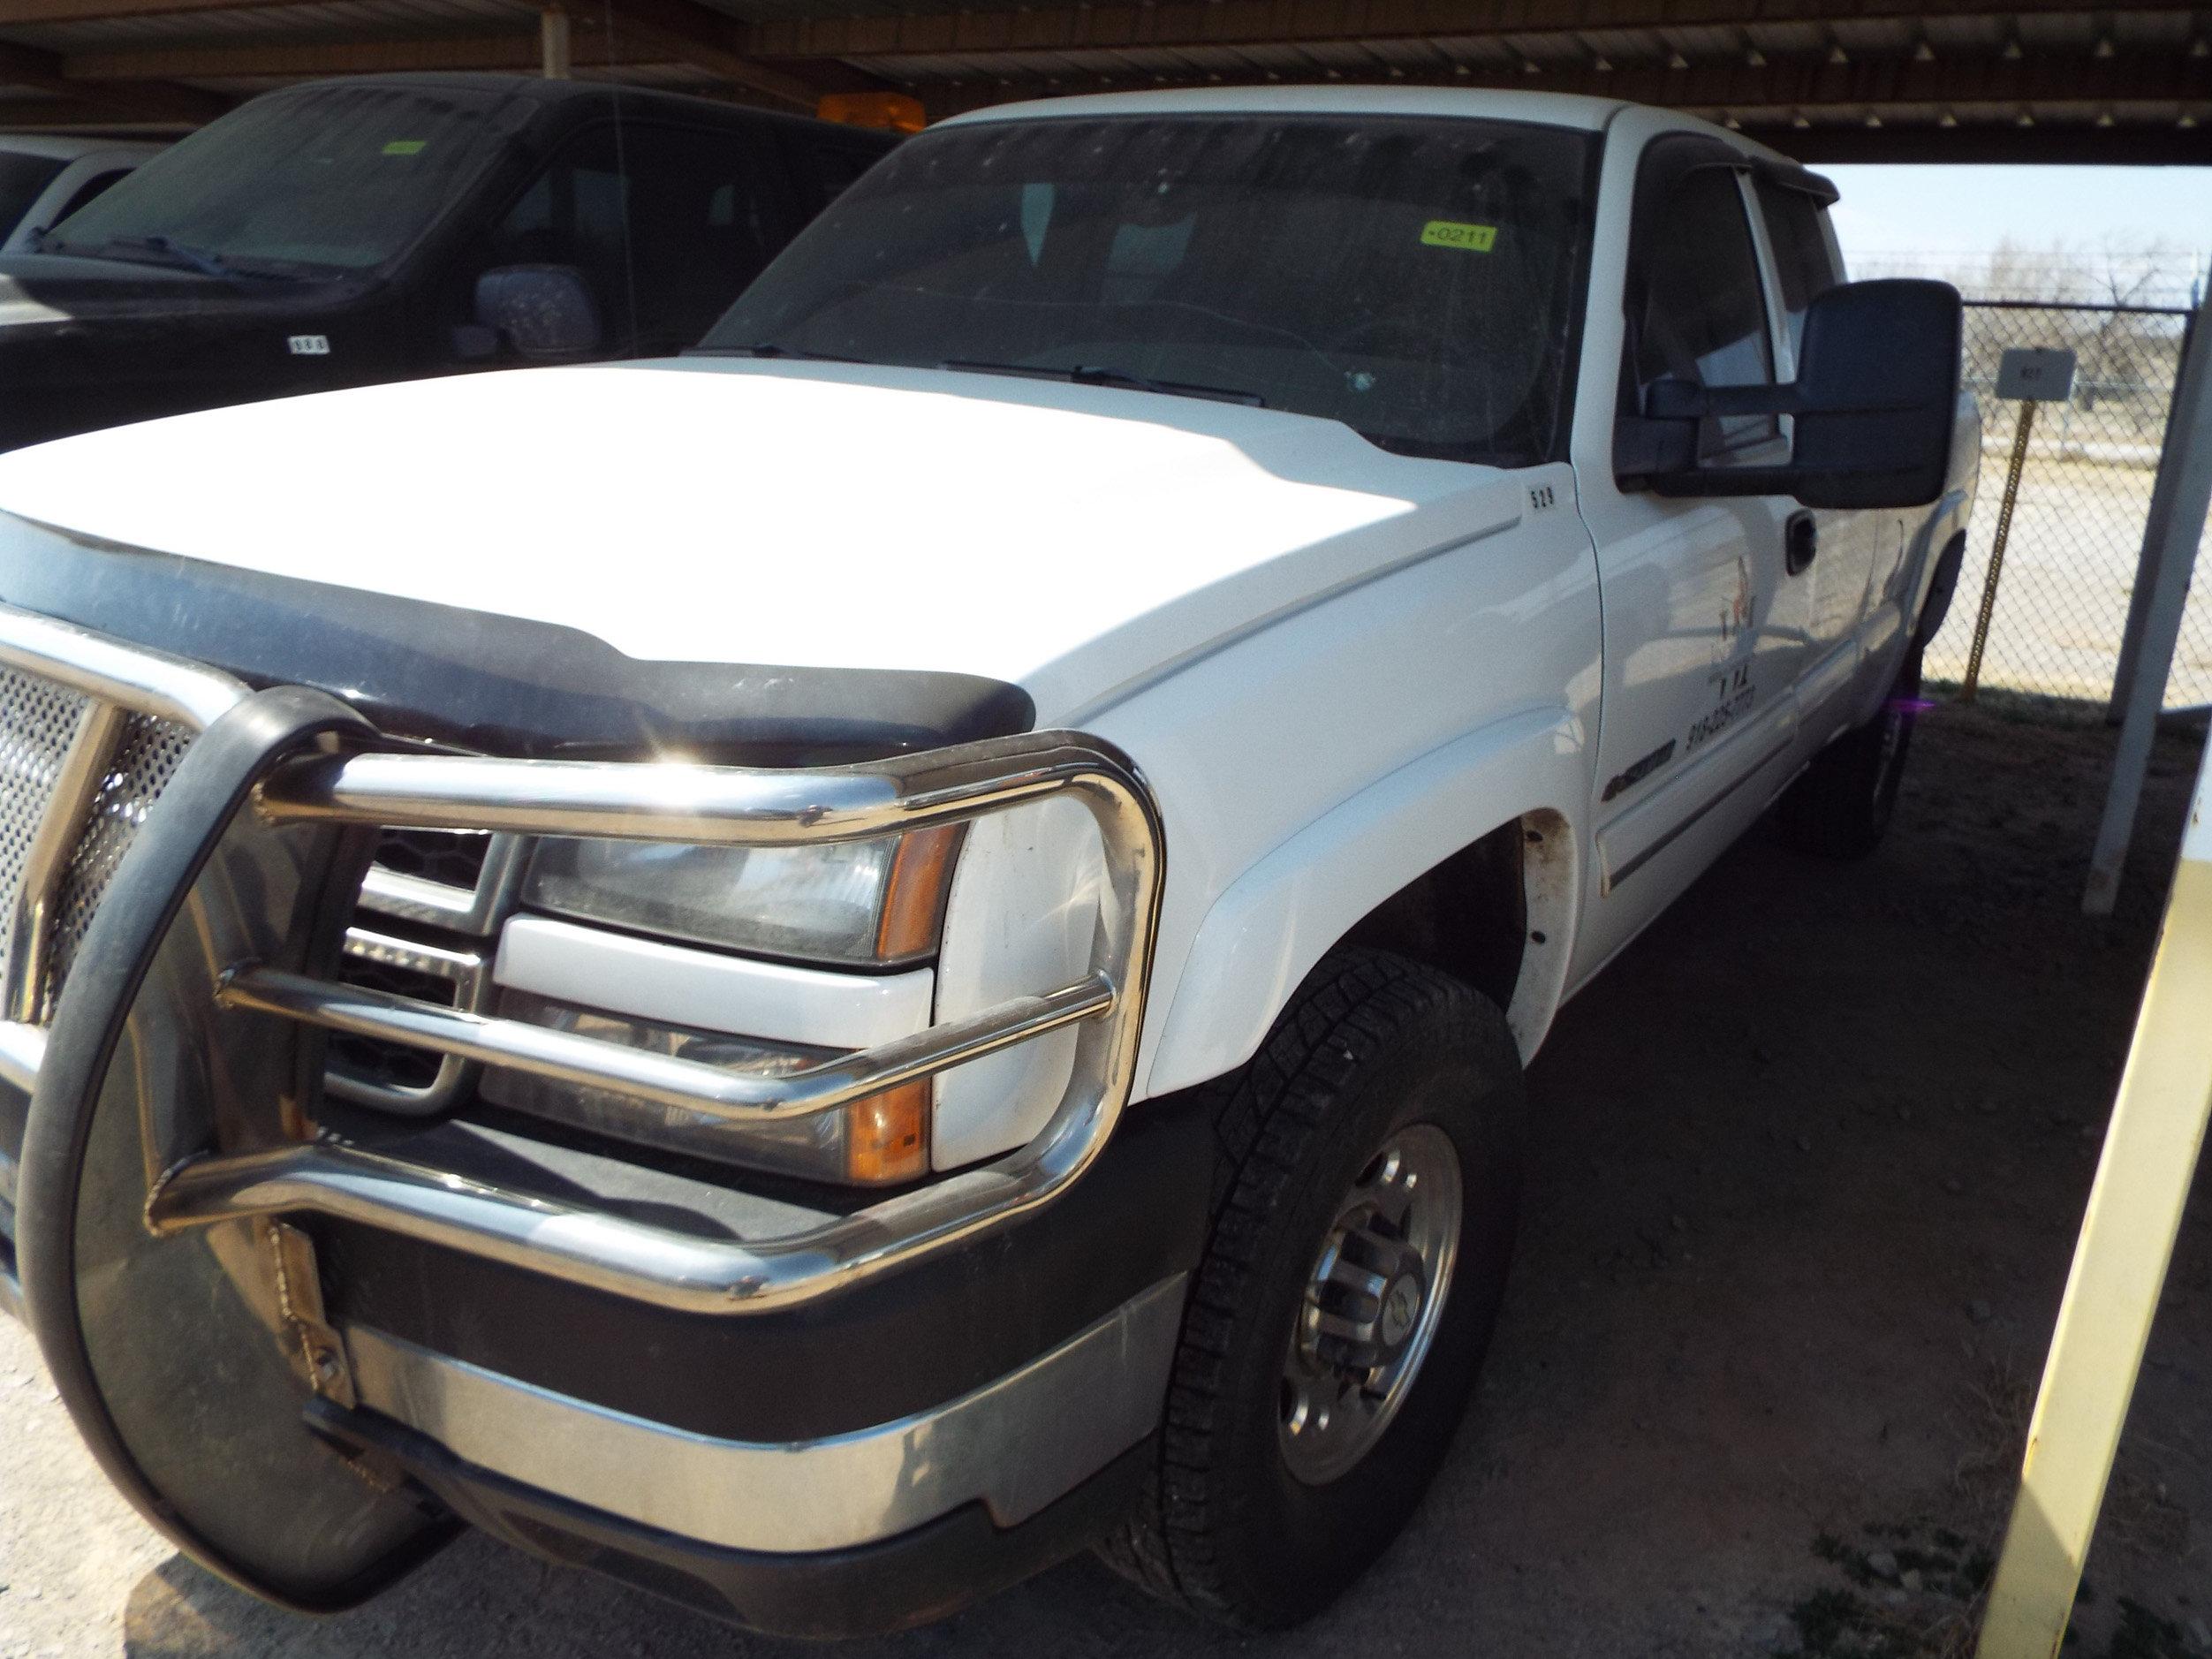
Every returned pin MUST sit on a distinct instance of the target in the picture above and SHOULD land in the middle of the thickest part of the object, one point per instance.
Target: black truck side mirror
(1872, 407)
(541, 311)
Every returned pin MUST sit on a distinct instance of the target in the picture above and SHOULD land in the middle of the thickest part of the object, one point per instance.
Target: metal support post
(2119, 1271)
(2177, 506)
(553, 42)
(2147, 562)
(2027, 424)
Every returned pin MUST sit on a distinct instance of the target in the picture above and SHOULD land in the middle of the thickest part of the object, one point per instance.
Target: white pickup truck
(818, 974)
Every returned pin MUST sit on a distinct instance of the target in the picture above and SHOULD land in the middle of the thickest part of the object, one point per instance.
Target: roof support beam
(589, 48)
(699, 35)
(1200, 23)
(96, 11)
(144, 100)
(1772, 92)
(604, 34)
(76, 115)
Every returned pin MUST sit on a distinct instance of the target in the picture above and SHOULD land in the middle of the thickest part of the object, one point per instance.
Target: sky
(1928, 217)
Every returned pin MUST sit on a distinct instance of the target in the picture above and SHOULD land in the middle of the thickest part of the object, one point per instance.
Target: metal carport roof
(1827, 80)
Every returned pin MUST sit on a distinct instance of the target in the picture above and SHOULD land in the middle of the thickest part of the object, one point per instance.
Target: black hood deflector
(494, 684)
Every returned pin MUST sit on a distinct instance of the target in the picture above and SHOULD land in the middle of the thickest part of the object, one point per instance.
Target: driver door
(1705, 619)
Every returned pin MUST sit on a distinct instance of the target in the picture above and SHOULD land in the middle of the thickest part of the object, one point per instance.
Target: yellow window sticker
(406, 146)
(1475, 239)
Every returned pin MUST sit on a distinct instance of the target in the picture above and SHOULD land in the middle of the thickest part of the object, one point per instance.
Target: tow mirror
(1872, 407)
(540, 311)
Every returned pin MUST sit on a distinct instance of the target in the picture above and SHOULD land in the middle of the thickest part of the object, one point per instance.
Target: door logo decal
(1733, 691)
(1736, 617)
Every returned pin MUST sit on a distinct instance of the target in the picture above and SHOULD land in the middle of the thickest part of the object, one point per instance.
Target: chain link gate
(2077, 531)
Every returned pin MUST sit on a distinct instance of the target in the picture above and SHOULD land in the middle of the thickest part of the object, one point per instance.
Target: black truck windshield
(331, 178)
(1413, 278)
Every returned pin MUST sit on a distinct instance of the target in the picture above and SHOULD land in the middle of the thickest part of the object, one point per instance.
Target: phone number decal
(1712, 725)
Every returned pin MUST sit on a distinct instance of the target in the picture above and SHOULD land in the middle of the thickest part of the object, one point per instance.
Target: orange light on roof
(887, 1135)
(914, 897)
(894, 110)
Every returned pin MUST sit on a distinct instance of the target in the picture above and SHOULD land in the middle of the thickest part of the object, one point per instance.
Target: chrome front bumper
(1014, 1445)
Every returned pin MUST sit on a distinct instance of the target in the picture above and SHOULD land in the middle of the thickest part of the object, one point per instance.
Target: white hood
(1075, 541)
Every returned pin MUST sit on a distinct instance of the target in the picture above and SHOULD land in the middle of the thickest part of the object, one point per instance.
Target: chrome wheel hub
(1372, 1304)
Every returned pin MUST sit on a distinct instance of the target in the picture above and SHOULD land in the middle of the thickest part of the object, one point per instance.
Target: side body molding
(1266, 932)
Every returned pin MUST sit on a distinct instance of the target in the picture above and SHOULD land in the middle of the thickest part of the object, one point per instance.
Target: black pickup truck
(387, 227)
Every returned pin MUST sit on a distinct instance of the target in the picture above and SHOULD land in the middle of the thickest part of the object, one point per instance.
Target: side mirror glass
(1872, 407)
(540, 311)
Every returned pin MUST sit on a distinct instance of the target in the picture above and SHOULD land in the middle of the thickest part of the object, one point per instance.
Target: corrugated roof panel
(1876, 37)
(2060, 31)
(330, 19)
(1787, 40)
(1626, 46)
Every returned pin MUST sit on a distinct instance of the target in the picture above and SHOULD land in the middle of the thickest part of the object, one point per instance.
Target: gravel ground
(1808, 1166)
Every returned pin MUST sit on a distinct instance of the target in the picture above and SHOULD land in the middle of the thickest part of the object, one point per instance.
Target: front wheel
(1372, 1175)
(1841, 807)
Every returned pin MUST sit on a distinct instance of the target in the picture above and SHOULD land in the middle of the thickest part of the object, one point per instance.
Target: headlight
(884, 1138)
(876, 903)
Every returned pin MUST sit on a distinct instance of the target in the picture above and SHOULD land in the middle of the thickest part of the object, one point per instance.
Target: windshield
(1414, 279)
(335, 178)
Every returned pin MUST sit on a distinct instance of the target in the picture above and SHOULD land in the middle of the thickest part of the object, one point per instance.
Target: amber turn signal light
(887, 1135)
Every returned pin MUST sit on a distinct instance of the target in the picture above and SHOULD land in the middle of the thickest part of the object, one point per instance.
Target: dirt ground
(1808, 1164)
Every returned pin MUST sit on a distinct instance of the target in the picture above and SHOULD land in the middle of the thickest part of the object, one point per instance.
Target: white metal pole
(2147, 562)
(2177, 504)
(2150, 1156)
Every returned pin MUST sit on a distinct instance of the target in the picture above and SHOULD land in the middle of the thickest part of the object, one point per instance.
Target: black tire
(1841, 807)
(1371, 1045)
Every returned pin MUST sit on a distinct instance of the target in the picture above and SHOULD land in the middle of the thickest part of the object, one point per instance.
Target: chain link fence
(2085, 491)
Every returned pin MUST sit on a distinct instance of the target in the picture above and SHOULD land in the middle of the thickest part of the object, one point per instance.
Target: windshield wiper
(176, 252)
(1093, 375)
(769, 348)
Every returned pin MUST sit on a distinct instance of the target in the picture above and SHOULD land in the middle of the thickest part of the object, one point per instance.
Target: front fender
(1266, 931)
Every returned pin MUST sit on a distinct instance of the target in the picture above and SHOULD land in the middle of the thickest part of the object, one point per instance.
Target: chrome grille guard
(359, 785)
(52, 812)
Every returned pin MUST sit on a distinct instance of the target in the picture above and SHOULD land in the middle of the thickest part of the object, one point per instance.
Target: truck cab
(927, 961)
(386, 227)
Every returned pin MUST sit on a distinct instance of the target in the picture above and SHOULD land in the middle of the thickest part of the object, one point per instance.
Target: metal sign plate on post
(2036, 374)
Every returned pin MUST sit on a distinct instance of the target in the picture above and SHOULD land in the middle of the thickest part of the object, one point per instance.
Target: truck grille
(145, 761)
(38, 719)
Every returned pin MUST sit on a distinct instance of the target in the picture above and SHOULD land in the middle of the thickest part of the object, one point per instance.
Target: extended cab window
(1414, 279)
(1703, 317)
(1797, 228)
(665, 223)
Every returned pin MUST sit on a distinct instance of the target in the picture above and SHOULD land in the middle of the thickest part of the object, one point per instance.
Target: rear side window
(1703, 317)
(666, 223)
(94, 187)
(1797, 229)
(834, 169)
(23, 179)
